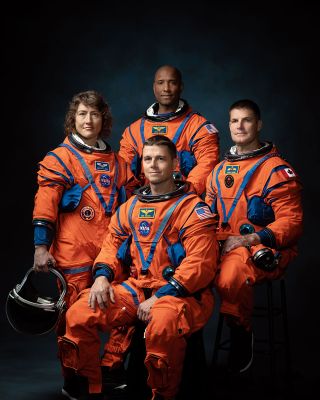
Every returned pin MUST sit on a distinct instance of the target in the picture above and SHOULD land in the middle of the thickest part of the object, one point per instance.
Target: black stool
(270, 311)
(194, 369)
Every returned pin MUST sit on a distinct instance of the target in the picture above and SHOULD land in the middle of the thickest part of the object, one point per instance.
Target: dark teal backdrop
(226, 52)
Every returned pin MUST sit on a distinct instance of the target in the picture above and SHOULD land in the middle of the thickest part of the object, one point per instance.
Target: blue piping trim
(133, 292)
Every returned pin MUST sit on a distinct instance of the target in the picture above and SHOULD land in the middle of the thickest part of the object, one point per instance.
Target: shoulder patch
(203, 212)
(211, 128)
(288, 173)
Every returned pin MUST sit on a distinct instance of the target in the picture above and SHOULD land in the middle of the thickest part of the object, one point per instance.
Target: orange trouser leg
(75, 284)
(79, 348)
(117, 346)
(172, 320)
(236, 278)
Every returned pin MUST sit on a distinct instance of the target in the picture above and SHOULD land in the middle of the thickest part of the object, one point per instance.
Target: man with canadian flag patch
(257, 196)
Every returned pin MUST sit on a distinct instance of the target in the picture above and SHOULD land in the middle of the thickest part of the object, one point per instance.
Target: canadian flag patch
(288, 173)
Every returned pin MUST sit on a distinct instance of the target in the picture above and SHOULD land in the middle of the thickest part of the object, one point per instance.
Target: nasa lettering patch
(102, 166)
(105, 180)
(144, 228)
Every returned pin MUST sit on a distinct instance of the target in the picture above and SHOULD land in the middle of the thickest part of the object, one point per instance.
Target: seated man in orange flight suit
(257, 196)
(169, 233)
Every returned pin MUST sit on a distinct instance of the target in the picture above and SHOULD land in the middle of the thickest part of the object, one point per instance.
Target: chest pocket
(259, 213)
(187, 162)
(176, 253)
(71, 198)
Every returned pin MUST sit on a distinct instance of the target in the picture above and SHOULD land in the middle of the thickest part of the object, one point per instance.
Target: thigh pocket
(68, 353)
(157, 366)
(170, 314)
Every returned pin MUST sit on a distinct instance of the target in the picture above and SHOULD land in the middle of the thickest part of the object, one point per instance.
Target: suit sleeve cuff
(43, 234)
(267, 237)
(167, 290)
(103, 270)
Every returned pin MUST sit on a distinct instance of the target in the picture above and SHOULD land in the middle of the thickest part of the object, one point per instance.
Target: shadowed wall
(237, 51)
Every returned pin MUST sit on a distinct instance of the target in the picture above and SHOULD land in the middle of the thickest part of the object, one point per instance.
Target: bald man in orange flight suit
(173, 252)
(257, 196)
(195, 137)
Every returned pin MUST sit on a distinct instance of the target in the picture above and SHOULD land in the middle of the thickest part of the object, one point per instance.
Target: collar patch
(102, 166)
(147, 213)
(159, 129)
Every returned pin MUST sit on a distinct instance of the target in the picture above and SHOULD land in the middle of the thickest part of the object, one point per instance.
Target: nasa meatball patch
(144, 228)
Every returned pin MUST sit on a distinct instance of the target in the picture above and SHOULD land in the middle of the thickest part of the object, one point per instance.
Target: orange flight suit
(257, 192)
(185, 300)
(196, 140)
(76, 235)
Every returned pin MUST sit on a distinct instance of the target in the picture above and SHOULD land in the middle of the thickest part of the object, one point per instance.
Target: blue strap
(107, 207)
(133, 292)
(114, 186)
(214, 200)
(71, 271)
(52, 182)
(123, 232)
(142, 130)
(265, 190)
(181, 128)
(132, 137)
(192, 142)
(71, 178)
(244, 183)
(219, 188)
(146, 262)
(176, 135)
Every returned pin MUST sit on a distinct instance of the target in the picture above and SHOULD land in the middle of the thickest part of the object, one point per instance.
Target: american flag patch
(211, 128)
(288, 173)
(203, 212)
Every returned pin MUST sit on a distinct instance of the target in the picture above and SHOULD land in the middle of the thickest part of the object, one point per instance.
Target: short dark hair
(93, 99)
(159, 140)
(246, 103)
(175, 69)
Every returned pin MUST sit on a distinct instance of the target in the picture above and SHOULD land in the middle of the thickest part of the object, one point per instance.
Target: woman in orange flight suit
(81, 183)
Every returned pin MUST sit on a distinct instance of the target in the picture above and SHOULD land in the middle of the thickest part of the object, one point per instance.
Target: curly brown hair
(93, 99)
